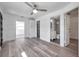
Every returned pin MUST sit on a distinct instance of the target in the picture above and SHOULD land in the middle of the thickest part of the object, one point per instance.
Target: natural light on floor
(23, 54)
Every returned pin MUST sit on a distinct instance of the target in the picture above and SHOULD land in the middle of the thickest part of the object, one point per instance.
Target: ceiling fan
(35, 8)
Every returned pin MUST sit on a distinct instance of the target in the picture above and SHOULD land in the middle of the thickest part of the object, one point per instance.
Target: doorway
(19, 29)
(38, 29)
(55, 29)
(1, 30)
(71, 30)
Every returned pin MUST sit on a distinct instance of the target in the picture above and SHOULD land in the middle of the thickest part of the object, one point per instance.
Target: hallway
(34, 48)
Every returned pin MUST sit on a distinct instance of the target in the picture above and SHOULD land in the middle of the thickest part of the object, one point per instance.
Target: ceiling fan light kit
(35, 8)
(35, 11)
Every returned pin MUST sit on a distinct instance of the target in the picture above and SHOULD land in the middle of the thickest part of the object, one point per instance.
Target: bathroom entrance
(55, 29)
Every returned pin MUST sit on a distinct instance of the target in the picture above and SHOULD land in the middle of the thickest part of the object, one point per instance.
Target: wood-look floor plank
(35, 48)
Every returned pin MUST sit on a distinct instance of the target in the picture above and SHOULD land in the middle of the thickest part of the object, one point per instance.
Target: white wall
(9, 26)
(45, 29)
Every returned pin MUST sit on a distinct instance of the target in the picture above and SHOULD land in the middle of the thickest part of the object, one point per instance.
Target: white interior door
(31, 28)
(67, 22)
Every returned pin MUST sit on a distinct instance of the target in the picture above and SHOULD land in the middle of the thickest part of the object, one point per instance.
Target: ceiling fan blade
(29, 4)
(42, 10)
(34, 5)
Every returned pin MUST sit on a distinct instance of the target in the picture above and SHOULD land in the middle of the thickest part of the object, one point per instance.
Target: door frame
(67, 14)
(1, 23)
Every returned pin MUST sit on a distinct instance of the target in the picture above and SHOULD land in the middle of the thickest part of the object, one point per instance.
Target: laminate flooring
(73, 45)
(33, 47)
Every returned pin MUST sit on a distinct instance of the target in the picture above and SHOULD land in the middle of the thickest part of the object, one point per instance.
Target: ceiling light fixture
(35, 11)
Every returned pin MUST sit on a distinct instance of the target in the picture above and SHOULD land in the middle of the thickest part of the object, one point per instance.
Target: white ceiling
(22, 9)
